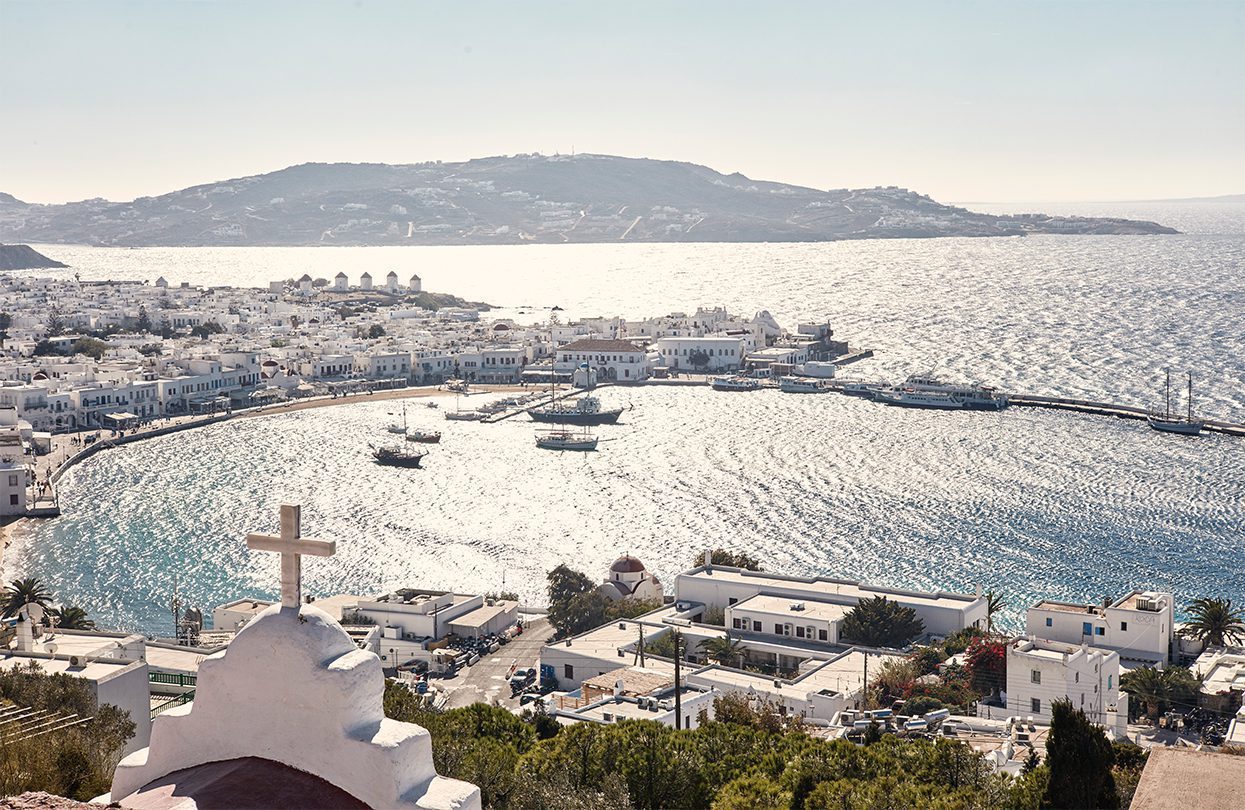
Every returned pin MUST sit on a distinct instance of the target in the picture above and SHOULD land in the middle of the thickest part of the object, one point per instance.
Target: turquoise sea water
(1031, 503)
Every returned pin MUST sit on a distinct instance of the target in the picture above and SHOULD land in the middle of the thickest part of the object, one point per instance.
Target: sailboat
(396, 428)
(1167, 422)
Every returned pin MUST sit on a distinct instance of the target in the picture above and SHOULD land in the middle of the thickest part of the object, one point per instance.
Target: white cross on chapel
(291, 546)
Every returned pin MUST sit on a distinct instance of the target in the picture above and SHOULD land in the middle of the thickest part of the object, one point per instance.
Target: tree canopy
(1215, 622)
(734, 559)
(1079, 757)
(880, 622)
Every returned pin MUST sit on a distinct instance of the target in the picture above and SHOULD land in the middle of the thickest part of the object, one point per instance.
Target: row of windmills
(341, 283)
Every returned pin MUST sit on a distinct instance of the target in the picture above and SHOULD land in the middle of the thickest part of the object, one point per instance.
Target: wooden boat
(1168, 422)
(566, 440)
(391, 457)
(426, 437)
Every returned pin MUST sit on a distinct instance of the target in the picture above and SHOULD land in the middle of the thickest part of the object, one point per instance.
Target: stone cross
(291, 546)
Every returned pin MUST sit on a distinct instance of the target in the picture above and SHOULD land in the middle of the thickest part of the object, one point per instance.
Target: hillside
(24, 257)
(509, 200)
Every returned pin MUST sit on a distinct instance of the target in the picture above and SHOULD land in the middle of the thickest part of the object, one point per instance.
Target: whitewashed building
(721, 353)
(1040, 672)
(1139, 626)
(614, 360)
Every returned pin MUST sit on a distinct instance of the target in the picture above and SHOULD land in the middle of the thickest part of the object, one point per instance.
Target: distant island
(24, 257)
(514, 200)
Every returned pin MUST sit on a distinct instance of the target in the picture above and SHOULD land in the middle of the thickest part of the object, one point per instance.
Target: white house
(412, 618)
(721, 353)
(1139, 626)
(618, 360)
(783, 616)
(1040, 672)
(718, 586)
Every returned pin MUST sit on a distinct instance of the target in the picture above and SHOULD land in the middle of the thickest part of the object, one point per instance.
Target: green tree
(1157, 691)
(375, 331)
(143, 324)
(994, 604)
(724, 650)
(752, 793)
(73, 618)
(91, 347)
(879, 622)
(732, 559)
(1080, 758)
(56, 324)
(6, 321)
(21, 592)
(1215, 622)
(698, 358)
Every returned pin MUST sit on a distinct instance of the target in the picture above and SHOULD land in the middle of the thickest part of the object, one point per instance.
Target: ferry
(586, 411)
(733, 383)
(867, 390)
(928, 392)
(566, 440)
(802, 385)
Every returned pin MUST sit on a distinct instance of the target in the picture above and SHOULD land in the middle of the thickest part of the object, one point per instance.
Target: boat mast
(1190, 397)
(1169, 393)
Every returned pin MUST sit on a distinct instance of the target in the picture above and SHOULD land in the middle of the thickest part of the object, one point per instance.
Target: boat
(566, 440)
(585, 411)
(464, 416)
(927, 392)
(802, 385)
(867, 390)
(735, 383)
(1168, 422)
(431, 405)
(396, 457)
(426, 437)
(395, 427)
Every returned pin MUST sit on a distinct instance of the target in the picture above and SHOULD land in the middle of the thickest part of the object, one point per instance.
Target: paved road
(487, 682)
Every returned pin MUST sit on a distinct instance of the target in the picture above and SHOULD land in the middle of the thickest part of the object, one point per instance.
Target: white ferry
(735, 384)
(928, 392)
(802, 385)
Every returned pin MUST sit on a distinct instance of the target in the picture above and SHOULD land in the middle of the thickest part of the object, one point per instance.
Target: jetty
(1114, 409)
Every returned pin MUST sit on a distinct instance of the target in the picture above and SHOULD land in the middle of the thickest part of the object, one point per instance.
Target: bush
(879, 622)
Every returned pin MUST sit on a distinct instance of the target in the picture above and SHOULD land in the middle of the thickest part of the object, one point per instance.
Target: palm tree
(994, 603)
(723, 649)
(1148, 687)
(1215, 622)
(21, 592)
(73, 618)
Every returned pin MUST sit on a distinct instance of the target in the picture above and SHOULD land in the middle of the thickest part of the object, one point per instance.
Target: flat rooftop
(1190, 780)
(1068, 607)
(94, 671)
(782, 606)
(824, 588)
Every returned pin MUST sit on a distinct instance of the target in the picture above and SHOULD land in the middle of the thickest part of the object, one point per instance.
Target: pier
(1114, 409)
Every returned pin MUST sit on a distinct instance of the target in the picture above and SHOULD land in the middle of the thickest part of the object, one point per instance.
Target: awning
(121, 416)
(481, 616)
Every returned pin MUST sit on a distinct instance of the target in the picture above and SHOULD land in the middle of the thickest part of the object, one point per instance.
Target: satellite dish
(50, 647)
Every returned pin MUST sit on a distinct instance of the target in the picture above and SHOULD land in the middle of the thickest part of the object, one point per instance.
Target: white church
(289, 715)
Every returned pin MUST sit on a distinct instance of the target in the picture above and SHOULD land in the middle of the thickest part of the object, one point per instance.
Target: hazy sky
(965, 101)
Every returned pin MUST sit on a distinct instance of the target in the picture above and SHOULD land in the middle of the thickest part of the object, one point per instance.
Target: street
(487, 681)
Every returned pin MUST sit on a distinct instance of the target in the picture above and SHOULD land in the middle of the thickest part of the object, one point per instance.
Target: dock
(1114, 409)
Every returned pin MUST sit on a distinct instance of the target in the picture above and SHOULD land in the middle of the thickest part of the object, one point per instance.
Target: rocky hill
(24, 257)
(509, 200)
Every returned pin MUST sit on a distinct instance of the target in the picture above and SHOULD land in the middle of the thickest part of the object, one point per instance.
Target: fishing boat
(566, 440)
(791, 384)
(586, 410)
(426, 437)
(735, 383)
(1168, 422)
(396, 457)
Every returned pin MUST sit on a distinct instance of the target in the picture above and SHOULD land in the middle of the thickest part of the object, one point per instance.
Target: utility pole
(678, 684)
(864, 690)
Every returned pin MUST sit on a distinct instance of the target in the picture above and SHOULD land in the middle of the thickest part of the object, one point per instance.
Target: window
(1078, 677)
(1035, 676)
(568, 672)
(1087, 629)
(799, 632)
(731, 601)
(1049, 621)
(756, 627)
(1124, 626)
(1100, 631)
(821, 635)
(1035, 705)
(12, 480)
(1109, 678)
(735, 623)
(13, 499)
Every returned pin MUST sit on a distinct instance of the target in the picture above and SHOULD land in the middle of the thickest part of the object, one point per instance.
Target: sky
(966, 101)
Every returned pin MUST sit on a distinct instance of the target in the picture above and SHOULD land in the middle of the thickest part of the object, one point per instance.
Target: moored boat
(1168, 422)
(566, 440)
(928, 392)
(426, 437)
(734, 383)
(464, 416)
(392, 457)
(802, 385)
(586, 410)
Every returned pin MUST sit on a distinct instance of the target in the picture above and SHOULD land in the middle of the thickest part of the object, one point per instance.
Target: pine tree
(1080, 759)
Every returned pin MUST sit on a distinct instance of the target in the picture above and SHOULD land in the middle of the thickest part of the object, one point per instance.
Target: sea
(1027, 503)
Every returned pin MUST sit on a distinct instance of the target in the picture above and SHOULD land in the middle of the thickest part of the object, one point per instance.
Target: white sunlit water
(1028, 502)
